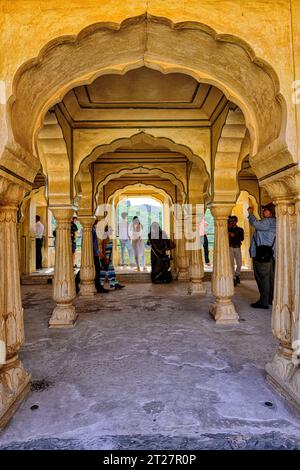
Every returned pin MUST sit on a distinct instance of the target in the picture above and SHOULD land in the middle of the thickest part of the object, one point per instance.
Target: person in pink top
(204, 240)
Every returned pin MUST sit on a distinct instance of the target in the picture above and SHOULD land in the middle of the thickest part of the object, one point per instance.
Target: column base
(63, 316)
(197, 288)
(183, 276)
(87, 290)
(224, 313)
(14, 386)
(284, 376)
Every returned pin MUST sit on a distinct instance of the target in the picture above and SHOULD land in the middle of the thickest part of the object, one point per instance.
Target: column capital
(283, 200)
(285, 184)
(86, 220)
(221, 211)
(11, 192)
(62, 213)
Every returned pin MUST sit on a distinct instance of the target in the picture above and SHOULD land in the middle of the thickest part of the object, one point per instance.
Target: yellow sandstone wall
(271, 27)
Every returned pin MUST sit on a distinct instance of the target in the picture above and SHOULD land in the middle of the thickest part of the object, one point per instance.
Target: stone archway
(141, 190)
(83, 180)
(148, 171)
(146, 40)
(157, 43)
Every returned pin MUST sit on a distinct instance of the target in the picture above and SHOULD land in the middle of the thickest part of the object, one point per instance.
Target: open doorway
(131, 209)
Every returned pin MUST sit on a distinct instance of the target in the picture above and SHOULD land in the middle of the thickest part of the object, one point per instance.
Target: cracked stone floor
(147, 367)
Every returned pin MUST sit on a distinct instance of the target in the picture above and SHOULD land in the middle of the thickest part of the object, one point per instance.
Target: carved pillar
(87, 267)
(296, 306)
(183, 260)
(223, 310)
(284, 276)
(295, 380)
(64, 315)
(14, 379)
(283, 371)
(196, 261)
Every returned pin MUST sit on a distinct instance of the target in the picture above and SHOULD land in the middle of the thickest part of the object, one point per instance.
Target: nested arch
(143, 170)
(128, 187)
(149, 141)
(192, 48)
(83, 179)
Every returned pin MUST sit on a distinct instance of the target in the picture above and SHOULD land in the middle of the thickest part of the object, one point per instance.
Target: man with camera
(262, 251)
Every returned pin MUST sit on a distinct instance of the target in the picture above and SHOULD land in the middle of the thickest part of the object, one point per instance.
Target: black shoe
(237, 279)
(258, 304)
(234, 282)
(102, 290)
(119, 286)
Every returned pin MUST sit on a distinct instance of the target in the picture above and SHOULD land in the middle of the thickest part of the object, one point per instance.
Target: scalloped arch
(127, 186)
(143, 169)
(147, 139)
(223, 60)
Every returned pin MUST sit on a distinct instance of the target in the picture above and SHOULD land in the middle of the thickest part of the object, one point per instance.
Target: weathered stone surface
(121, 378)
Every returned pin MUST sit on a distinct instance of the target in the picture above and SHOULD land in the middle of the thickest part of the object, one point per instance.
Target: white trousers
(236, 258)
(138, 248)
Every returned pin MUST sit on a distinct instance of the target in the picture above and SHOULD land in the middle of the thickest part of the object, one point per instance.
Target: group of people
(39, 237)
(132, 239)
(103, 249)
(262, 252)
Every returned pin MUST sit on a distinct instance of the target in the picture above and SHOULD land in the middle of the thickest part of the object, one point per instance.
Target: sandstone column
(64, 315)
(182, 260)
(87, 267)
(295, 380)
(223, 310)
(296, 305)
(281, 371)
(14, 380)
(196, 260)
(284, 276)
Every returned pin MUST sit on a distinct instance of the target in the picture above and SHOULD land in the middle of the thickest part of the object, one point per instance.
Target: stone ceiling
(143, 97)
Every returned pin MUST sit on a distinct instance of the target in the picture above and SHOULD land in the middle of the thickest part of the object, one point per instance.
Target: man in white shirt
(39, 232)
(203, 226)
(125, 239)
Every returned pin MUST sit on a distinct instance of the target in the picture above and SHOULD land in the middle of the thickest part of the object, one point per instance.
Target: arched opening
(148, 207)
(188, 126)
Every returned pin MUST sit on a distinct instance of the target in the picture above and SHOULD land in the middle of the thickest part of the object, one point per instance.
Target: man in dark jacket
(236, 236)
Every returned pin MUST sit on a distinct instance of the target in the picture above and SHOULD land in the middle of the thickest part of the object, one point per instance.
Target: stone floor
(147, 367)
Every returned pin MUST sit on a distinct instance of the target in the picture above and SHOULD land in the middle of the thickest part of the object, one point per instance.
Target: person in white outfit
(39, 233)
(125, 239)
(138, 245)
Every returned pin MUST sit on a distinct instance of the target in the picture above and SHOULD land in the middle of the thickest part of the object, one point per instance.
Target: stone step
(123, 278)
(36, 280)
(139, 278)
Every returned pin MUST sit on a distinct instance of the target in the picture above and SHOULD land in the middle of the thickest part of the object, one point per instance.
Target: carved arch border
(143, 170)
(127, 186)
(250, 81)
